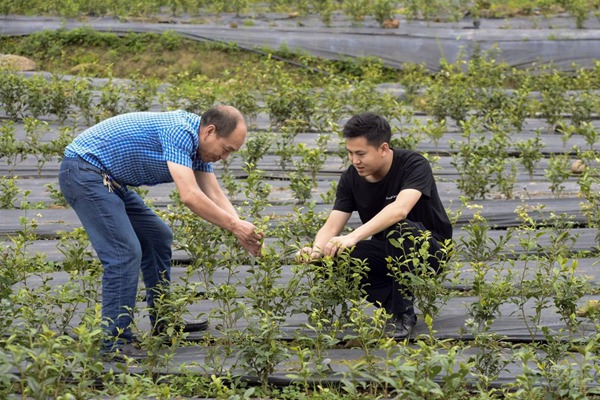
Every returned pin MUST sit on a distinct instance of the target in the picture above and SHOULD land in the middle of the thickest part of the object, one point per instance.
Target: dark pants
(382, 288)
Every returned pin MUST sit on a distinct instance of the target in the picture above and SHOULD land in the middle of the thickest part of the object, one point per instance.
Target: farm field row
(513, 314)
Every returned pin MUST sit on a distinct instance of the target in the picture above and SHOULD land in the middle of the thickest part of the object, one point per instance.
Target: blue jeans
(128, 238)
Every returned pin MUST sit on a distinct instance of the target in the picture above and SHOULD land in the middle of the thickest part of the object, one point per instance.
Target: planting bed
(520, 42)
(515, 314)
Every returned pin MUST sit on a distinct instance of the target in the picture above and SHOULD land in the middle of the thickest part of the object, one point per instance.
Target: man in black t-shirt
(395, 194)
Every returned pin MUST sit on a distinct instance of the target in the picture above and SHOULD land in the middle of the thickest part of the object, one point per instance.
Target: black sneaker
(401, 326)
(128, 351)
(195, 326)
(184, 326)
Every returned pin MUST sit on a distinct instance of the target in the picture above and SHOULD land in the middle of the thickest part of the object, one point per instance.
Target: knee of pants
(165, 239)
(117, 254)
(135, 255)
(168, 237)
(159, 241)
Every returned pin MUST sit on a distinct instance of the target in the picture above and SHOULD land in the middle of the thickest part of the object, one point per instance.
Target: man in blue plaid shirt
(148, 148)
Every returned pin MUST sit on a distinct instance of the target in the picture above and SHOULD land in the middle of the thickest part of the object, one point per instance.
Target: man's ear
(385, 147)
(211, 129)
(206, 131)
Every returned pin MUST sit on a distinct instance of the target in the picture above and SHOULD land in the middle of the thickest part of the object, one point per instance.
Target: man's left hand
(337, 244)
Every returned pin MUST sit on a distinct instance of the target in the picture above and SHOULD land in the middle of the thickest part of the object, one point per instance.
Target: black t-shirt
(409, 170)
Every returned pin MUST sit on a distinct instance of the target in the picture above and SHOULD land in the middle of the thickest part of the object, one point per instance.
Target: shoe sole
(195, 327)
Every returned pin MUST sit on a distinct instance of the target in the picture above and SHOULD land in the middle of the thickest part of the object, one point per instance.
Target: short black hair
(224, 118)
(373, 127)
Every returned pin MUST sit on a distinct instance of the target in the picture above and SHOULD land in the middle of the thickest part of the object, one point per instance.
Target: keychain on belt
(108, 181)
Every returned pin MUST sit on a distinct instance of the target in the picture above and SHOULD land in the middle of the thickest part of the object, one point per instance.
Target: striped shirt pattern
(134, 148)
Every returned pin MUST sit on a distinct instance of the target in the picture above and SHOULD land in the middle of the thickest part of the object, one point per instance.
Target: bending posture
(395, 194)
(148, 148)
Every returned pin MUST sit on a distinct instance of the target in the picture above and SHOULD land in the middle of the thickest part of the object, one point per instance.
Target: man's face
(214, 148)
(369, 161)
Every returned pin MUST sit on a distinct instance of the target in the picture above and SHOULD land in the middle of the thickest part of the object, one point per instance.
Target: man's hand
(249, 239)
(338, 243)
(308, 254)
(332, 248)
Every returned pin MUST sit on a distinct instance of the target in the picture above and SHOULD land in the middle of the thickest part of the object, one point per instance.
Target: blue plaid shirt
(134, 148)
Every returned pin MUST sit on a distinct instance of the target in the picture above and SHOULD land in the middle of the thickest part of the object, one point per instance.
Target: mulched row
(532, 192)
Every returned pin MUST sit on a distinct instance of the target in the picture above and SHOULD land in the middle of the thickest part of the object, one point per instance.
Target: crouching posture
(396, 196)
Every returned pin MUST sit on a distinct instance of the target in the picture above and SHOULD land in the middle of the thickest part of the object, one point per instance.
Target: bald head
(226, 119)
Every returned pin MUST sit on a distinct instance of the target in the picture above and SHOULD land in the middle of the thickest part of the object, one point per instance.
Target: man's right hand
(308, 254)
(249, 239)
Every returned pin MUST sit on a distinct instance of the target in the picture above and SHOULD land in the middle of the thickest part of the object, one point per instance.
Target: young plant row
(356, 10)
(50, 332)
(481, 86)
(482, 164)
(486, 157)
